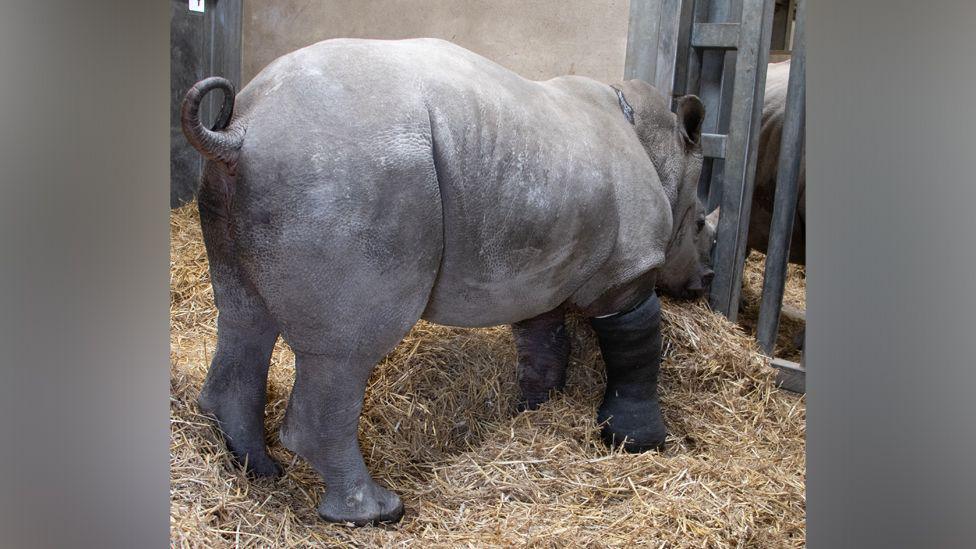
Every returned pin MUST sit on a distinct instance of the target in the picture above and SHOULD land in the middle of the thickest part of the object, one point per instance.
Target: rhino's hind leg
(236, 387)
(235, 390)
(543, 355)
(339, 329)
(321, 425)
(631, 346)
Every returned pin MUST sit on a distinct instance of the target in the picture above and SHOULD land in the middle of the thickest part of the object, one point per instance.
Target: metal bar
(791, 25)
(713, 145)
(652, 42)
(710, 91)
(669, 31)
(718, 36)
(725, 114)
(692, 70)
(787, 187)
(790, 375)
(740, 160)
(780, 25)
(714, 196)
(684, 49)
(642, 40)
(745, 208)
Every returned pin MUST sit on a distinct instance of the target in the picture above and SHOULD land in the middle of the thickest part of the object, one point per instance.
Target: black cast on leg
(631, 346)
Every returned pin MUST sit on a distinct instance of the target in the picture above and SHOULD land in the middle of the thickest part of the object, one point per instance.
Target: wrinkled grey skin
(685, 273)
(362, 185)
(542, 342)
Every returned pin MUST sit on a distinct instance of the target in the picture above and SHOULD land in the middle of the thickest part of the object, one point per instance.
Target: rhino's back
(536, 181)
(530, 181)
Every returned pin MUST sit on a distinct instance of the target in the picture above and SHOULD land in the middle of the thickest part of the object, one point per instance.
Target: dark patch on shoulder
(624, 105)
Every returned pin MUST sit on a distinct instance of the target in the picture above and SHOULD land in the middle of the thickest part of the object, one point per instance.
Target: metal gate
(719, 50)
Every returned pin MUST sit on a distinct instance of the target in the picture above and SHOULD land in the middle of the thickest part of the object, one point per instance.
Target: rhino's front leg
(631, 346)
(321, 425)
(543, 354)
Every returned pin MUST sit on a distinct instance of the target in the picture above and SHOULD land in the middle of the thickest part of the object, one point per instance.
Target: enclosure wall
(539, 40)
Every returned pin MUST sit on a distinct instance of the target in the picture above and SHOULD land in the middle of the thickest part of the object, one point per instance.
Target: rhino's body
(774, 111)
(497, 196)
(361, 185)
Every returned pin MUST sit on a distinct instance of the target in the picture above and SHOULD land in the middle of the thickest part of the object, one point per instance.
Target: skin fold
(361, 185)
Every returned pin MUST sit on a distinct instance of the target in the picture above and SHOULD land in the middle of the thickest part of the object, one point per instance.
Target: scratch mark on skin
(624, 105)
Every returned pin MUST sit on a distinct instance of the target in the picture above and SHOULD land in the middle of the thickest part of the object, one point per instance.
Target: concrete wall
(538, 39)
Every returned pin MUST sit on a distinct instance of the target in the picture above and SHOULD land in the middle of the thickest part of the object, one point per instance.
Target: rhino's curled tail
(221, 143)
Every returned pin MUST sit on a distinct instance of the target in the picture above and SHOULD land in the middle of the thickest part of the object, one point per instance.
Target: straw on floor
(440, 428)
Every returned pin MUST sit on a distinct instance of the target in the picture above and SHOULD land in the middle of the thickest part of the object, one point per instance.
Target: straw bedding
(794, 295)
(440, 428)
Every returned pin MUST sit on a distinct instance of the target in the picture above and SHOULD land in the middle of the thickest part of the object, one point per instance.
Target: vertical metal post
(740, 159)
(669, 31)
(686, 22)
(782, 24)
(785, 200)
(714, 87)
(714, 196)
(642, 44)
(725, 61)
(790, 18)
(652, 41)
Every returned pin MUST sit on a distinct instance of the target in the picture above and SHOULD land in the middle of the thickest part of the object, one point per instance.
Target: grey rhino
(767, 164)
(356, 186)
(770, 133)
(764, 190)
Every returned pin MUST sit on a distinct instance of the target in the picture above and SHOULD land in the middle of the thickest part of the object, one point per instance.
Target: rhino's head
(673, 142)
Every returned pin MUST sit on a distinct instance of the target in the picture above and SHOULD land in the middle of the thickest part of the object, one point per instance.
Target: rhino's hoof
(370, 505)
(637, 426)
(529, 403)
(262, 467)
(629, 444)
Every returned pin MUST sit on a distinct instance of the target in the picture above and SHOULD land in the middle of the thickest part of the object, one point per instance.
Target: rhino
(764, 191)
(354, 187)
(767, 163)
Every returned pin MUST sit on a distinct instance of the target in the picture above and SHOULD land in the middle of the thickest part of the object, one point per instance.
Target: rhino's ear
(691, 114)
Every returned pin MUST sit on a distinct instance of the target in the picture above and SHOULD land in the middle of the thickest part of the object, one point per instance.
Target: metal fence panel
(787, 182)
(740, 159)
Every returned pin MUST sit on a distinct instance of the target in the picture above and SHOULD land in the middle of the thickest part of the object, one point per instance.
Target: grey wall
(539, 39)
(201, 45)
(187, 33)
